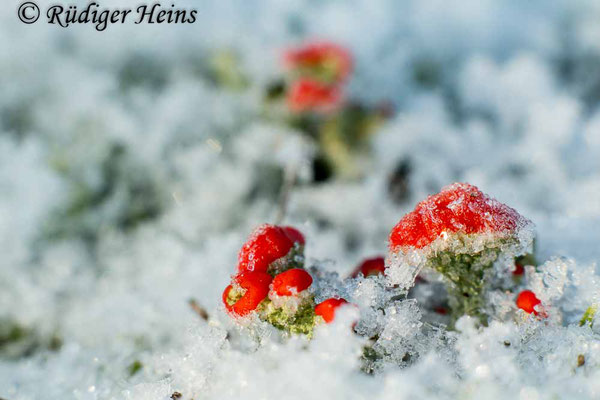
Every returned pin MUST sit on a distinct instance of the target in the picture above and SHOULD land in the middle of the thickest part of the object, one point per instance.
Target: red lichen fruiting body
(291, 282)
(294, 234)
(256, 288)
(326, 309)
(266, 244)
(319, 54)
(519, 270)
(370, 266)
(310, 95)
(459, 207)
(527, 300)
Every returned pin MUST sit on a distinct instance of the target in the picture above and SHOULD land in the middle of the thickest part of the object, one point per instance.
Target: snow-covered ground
(129, 179)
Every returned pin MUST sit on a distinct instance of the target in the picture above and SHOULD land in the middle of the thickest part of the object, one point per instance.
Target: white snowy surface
(514, 112)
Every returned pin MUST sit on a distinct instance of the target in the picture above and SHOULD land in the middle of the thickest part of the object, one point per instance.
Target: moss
(134, 367)
(12, 333)
(55, 343)
(344, 138)
(275, 90)
(224, 70)
(369, 359)
(17, 341)
(527, 259)
(588, 316)
(126, 195)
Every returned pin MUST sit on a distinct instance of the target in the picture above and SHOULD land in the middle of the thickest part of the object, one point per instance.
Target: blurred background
(134, 161)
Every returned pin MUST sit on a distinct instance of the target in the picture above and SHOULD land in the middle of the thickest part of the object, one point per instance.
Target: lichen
(298, 320)
(467, 279)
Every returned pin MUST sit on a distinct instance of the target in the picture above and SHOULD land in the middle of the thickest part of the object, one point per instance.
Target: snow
(129, 180)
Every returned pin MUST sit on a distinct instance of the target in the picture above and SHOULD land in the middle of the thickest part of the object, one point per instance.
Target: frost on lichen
(468, 238)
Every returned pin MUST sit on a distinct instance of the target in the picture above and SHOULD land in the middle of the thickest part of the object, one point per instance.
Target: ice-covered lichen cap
(459, 207)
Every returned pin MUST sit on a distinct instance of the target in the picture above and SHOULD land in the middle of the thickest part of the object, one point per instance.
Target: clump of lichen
(467, 286)
(467, 237)
(300, 320)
